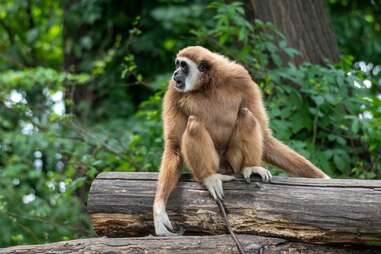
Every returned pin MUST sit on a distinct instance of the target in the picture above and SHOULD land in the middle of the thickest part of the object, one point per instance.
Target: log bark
(221, 244)
(309, 210)
(305, 24)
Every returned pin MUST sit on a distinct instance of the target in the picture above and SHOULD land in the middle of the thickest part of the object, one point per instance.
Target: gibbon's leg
(280, 155)
(246, 147)
(201, 157)
(169, 175)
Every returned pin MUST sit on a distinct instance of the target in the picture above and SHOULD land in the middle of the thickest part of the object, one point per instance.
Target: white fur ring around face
(262, 172)
(214, 184)
(161, 221)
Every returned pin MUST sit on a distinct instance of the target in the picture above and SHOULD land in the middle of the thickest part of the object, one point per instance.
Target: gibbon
(214, 119)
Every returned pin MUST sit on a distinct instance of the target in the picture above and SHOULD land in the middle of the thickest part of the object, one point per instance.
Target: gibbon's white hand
(214, 184)
(161, 221)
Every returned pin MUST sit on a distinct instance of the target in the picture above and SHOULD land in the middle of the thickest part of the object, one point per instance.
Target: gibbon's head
(193, 65)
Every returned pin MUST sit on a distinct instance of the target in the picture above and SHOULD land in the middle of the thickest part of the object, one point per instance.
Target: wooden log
(309, 210)
(221, 244)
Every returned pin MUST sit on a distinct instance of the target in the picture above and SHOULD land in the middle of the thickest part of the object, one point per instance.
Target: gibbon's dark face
(187, 74)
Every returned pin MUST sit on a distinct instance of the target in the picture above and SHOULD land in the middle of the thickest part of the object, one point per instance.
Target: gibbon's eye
(203, 67)
(184, 67)
(177, 63)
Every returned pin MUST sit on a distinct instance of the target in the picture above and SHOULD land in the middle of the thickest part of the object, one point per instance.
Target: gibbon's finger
(246, 174)
(226, 178)
(220, 190)
(167, 222)
(269, 176)
(162, 224)
(212, 191)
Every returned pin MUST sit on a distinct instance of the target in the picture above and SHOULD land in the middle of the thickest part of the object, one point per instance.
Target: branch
(329, 211)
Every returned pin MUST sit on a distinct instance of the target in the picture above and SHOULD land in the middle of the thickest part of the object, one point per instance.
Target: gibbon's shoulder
(228, 66)
(234, 74)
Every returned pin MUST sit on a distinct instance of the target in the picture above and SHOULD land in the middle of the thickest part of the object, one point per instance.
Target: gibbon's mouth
(180, 84)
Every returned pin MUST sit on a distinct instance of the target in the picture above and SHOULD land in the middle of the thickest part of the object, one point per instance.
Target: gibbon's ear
(203, 66)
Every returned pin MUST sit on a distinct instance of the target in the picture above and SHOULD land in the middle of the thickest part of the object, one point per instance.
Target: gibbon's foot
(162, 222)
(214, 184)
(262, 172)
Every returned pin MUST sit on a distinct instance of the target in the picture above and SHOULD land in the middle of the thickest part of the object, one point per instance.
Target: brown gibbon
(214, 119)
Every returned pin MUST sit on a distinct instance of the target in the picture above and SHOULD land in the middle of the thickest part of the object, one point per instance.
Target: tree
(304, 23)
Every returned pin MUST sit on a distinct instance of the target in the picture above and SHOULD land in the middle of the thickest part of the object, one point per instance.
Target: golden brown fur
(222, 122)
(247, 137)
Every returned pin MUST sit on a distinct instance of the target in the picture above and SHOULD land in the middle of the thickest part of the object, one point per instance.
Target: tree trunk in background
(81, 96)
(305, 24)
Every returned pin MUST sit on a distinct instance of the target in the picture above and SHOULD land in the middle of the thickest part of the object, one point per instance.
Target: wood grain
(309, 210)
(221, 244)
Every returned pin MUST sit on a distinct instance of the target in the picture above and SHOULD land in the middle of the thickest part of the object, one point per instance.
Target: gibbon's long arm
(274, 151)
(168, 177)
(170, 169)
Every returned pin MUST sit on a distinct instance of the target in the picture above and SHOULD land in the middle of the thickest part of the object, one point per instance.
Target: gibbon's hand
(262, 172)
(214, 184)
(162, 222)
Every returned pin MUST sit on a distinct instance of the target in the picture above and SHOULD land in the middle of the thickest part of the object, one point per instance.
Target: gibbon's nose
(180, 82)
(177, 77)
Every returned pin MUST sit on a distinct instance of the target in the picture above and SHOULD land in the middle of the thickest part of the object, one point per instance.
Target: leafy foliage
(81, 87)
(358, 25)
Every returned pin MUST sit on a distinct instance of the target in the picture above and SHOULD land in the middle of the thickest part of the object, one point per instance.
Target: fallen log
(308, 210)
(221, 244)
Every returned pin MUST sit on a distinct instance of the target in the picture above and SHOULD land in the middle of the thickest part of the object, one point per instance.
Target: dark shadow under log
(308, 210)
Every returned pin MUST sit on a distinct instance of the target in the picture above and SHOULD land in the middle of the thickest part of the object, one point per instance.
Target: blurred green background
(81, 83)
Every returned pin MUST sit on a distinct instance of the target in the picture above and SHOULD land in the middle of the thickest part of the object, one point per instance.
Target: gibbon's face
(187, 74)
